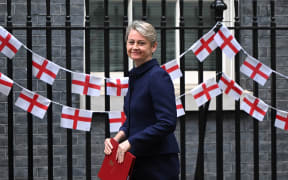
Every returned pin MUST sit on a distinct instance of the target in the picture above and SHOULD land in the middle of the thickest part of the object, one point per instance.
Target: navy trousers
(162, 167)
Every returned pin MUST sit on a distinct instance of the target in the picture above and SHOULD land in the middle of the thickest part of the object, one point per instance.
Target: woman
(150, 109)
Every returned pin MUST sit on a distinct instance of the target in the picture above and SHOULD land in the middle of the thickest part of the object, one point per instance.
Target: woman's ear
(154, 47)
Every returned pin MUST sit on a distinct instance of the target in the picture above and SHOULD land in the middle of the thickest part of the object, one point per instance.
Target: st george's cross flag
(204, 46)
(9, 45)
(255, 70)
(229, 87)
(33, 103)
(117, 86)
(173, 69)
(44, 69)
(227, 42)
(281, 120)
(116, 120)
(86, 84)
(78, 119)
(206, 91)
(254, 106)
(179, 108)
(5, 84)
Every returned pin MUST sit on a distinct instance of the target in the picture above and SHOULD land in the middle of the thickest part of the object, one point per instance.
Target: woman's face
(139, 48)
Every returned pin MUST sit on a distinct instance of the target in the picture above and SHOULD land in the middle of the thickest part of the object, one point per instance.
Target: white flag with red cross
(33, 103)
(179, 108)
(9, 45)
(206, 91)
(255, 70)
(117, 86)
(73, 118)
(227, 42)
(281, 120)
(254, 106)
(116, 120)
(86, 84)
(5, 84)
(44, 69)
(173, 69)
(230, 87)
(204, 46)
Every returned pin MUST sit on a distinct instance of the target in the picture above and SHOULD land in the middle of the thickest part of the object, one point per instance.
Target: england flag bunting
(179, 107)
(44, 69)
(254, 106)
(86, 84)
(173, 69)
(5, 84)
(281, 120)
(117, 86)
(33, 103)
(229, 87)
(205, 91)
(204, 46)
(78, 119)
(9, 45)
(116, 120)
(227, 42)
(255, 70)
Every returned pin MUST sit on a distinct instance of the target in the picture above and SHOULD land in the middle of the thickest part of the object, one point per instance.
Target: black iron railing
(218, 6)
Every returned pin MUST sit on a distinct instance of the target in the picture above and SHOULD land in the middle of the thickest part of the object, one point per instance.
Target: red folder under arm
(111, 169)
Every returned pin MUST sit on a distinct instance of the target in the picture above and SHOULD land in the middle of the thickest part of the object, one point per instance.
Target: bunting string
(57, 103)
(278, 73)
(60, 67)
(86, 84)
(271, 107)
(184, 94)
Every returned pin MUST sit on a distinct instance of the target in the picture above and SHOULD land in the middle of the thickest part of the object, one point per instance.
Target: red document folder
(112, 170)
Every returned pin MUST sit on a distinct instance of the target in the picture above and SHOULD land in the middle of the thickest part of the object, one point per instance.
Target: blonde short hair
(144, 28)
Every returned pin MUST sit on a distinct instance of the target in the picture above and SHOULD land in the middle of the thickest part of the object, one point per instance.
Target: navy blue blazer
(150, 109)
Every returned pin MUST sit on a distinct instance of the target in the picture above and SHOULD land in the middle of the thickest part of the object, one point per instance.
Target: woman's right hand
(108, 146)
